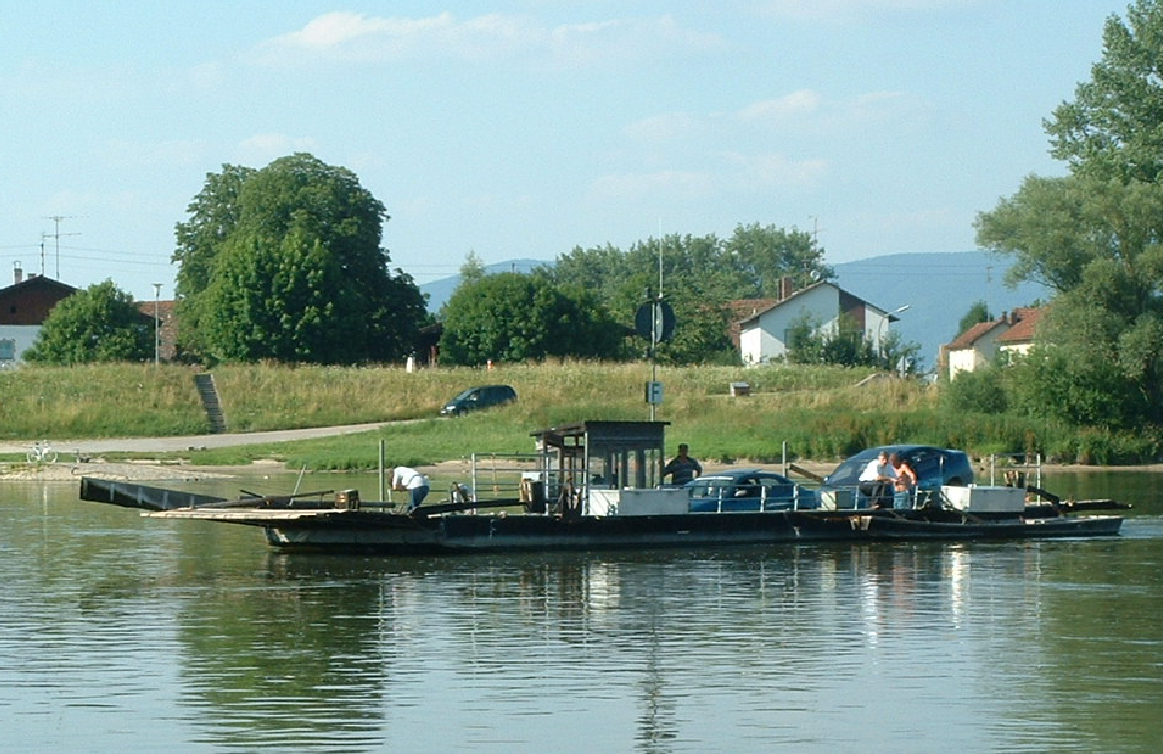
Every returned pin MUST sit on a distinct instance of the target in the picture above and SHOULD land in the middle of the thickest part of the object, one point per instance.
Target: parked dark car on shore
(482, 396)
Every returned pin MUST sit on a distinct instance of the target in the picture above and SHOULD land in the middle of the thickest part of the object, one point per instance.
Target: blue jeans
(418, 495)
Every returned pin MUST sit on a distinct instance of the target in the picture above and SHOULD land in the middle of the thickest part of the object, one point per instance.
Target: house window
(7, 350)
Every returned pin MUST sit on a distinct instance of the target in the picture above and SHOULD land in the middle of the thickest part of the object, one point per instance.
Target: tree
(285, 263)
(515, 317)
(98, 324)
(811, 343)
(473, 268)
(1112, 127)
(1096, 237)
(978, 313)
(700, 274)
(768, 254)
(214, 214)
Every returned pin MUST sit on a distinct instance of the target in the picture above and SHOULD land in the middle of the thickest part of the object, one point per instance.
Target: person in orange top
(905, 484)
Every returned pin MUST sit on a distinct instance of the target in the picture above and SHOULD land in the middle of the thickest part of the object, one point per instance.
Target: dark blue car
(748, 490)
(934, 466)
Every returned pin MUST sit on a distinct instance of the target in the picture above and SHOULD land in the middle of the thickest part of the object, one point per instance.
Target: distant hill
(441, 290)
(938, 288)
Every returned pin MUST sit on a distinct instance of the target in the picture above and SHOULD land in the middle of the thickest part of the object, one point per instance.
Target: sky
(522, 129)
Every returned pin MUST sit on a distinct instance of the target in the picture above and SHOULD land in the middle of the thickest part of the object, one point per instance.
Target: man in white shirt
(404, 478)
(876, 481)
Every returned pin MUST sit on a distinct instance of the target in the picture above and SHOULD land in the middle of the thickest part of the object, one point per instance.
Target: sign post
(654, 321)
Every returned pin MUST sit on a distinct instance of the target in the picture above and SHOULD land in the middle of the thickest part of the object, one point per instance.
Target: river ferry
(598, 485)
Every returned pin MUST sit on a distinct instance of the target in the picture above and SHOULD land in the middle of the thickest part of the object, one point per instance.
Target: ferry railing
(500, 474)
(1017, 474)
(764, 500)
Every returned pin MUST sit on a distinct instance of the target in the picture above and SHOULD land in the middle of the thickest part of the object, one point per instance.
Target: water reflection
(117, 632)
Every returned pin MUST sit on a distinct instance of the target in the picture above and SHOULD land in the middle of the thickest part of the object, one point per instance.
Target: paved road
(188, 442)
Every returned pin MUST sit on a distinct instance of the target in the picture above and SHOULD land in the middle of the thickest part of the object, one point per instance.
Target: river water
(124, 634)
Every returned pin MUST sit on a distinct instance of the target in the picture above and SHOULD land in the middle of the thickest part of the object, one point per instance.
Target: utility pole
(157, 324)
(56, 234)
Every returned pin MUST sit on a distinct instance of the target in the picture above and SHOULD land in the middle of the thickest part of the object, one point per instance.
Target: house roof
(975, 333)
(745, 308)
(742, 310)
(780, 302)
(1017, 327)
(1023, 329)
(38, 281)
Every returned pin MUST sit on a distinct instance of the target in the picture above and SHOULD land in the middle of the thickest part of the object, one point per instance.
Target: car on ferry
(935, 467)
(744, 490)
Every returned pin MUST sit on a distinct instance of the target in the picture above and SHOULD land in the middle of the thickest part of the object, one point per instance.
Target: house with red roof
(981, 344)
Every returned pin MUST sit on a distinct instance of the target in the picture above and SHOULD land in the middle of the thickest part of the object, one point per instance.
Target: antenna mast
(56, 234)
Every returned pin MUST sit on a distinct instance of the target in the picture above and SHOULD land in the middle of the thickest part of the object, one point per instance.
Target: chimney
(19, 274)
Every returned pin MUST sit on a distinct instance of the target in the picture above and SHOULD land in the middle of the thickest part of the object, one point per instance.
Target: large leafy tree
(213, 216)
(98, 324)
(285, 263)
(1111, 129)
(1096, 237)
(700, 274)
(515, 317)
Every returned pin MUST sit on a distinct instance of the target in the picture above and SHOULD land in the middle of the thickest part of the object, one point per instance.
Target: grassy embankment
(823, 413)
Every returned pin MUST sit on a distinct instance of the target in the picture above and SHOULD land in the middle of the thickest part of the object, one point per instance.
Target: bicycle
(42, 452)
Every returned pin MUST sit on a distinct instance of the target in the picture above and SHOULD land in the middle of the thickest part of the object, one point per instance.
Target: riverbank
(180, 471)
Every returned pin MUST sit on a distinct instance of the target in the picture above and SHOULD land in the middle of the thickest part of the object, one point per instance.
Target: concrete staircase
(209, 395)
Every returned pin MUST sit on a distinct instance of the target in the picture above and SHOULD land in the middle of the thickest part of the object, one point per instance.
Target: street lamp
(157, 329)
(883, 324)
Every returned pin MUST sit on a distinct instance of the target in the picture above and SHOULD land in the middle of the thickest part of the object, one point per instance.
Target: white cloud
(802, 111)
(808, 110)
(353, 37)
(775, 170)
(666, 127)
(261, 148)
(846, 10)
(732, 173)
(798, 103)
(174, 152)
(669, 184)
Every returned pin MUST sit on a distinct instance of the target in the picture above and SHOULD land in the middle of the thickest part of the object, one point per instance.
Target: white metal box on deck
(833, 499)
(985, 499)
(639, 502)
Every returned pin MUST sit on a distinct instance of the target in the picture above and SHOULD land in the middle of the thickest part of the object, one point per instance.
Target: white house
(981, 344)
(763, 336)
(24, 305)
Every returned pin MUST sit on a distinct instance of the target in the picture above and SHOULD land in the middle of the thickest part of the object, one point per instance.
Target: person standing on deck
(906, 482)
(876, 481)
(404, 478)
(682, 468)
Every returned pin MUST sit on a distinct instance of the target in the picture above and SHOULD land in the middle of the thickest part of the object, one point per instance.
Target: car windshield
(463, 396)
(848, 472)
(712, 487)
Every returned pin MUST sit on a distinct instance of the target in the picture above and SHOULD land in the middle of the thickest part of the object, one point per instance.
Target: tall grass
(822, 413)
(120, 400)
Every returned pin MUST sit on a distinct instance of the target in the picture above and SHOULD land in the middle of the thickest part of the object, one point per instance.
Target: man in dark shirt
(682, 468)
